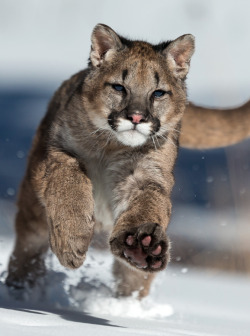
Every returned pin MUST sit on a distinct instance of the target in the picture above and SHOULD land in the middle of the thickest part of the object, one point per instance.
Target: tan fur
(209, 128)
(91, 162)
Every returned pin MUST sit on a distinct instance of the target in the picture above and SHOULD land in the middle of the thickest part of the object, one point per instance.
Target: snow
(183, 301)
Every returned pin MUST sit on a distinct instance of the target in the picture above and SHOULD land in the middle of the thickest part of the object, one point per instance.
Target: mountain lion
(104, 156)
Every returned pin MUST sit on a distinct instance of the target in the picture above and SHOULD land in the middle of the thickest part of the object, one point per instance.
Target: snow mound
(95, 291)
(90, 289)
(129, 307)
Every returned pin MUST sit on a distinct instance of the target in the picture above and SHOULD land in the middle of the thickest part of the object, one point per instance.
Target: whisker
(96, 142)
(109, 137)
(153, 142)
(168, 128)
(167, 139)
(174, 129)
(95, 131)
(100, 128)
(162, 136)
(156, 139)
(97, 136)
(172, 142)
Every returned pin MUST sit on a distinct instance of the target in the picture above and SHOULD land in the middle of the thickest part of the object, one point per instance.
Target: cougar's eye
(118, 87)
(158, 93)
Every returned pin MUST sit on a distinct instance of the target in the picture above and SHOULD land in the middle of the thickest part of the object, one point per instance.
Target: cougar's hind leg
(27, 260)
(129, 281)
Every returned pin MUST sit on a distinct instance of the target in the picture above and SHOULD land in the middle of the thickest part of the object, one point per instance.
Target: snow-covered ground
(183, 301)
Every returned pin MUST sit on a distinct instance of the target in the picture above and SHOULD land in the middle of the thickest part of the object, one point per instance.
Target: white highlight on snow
(129, 307)
(95, 294)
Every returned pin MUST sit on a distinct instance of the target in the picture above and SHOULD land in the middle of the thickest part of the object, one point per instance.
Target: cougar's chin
(131, 138)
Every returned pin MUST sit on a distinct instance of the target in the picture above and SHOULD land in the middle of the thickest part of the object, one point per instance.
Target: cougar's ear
(178, 54)
(105, 42)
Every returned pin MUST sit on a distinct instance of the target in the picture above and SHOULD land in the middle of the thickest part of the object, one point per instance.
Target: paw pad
(146, 248)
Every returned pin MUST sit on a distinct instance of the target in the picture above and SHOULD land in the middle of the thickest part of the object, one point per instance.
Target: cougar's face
(135, 96)
(137, 103)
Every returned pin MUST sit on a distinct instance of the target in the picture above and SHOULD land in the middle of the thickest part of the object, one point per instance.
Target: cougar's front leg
(142, 201)
(66, 193)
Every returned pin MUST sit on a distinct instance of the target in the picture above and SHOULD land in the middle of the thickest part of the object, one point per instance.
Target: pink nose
(136, 118)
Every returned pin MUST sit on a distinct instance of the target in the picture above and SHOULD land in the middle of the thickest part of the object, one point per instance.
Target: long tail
(210, 128)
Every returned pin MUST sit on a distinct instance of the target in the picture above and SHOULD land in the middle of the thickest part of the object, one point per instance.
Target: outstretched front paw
(71, 253)
(145, 247)
(70, 246)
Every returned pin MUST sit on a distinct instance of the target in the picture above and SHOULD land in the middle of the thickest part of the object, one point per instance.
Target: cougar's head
(136, 90)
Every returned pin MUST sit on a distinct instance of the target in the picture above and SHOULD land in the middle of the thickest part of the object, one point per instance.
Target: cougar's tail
(210, 128)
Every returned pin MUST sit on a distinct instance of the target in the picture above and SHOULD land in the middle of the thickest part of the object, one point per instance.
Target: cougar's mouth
(133, 130)
(132, 134)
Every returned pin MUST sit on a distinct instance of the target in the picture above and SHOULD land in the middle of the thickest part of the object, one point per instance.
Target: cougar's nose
(136, 118)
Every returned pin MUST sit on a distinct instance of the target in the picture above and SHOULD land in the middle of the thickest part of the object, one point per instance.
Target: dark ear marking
(161, 46)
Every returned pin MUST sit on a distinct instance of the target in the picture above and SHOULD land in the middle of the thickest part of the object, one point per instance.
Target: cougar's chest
(101, 193)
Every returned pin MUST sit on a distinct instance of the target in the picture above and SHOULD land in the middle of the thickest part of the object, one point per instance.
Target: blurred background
(44, 42)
